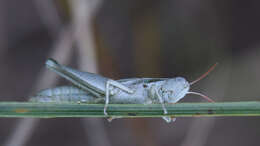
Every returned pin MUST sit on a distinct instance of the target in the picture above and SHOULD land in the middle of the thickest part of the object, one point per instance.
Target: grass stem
(54, 110)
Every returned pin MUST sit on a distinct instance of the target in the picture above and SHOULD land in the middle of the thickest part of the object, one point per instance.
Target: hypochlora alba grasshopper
(93, 88)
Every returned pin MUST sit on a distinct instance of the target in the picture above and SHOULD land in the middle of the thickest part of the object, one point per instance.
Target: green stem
(52, 110)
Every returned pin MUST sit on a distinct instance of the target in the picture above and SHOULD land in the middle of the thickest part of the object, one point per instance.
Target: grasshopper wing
(93, 83)
(90, 82)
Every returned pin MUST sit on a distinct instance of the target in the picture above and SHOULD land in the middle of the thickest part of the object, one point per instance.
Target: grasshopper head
(173, 90)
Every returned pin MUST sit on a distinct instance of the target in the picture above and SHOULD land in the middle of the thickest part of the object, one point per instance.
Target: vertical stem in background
(61, 51)
(83, 12)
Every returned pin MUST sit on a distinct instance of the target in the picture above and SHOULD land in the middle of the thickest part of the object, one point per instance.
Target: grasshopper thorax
(172, 90)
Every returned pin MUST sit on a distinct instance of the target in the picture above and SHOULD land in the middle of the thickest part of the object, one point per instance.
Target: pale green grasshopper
(93, 88)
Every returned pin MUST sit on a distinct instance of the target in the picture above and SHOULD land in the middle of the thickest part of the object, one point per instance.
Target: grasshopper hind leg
(111, 91)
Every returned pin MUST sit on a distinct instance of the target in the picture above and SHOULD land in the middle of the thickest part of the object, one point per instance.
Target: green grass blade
(52, 110)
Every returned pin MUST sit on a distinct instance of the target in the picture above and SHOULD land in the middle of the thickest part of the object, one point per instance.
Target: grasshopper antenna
(204, 75)
(202, 95)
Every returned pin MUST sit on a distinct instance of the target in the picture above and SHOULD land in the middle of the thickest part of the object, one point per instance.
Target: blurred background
(131, 38)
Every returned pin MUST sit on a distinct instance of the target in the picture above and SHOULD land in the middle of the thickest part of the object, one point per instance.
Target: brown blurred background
(131, 38)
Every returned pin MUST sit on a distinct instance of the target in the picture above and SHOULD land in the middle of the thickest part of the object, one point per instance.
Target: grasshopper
(93, 88)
